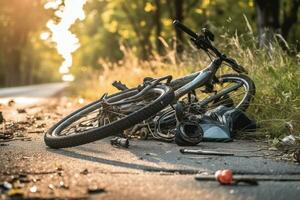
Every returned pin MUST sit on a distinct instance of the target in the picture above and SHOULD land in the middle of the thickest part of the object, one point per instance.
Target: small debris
(289, 126)
(84, 172)
(16, 193)
(81, 101)
(150, 154)
(33, 189)
(272, 149)
(296, 155)
(1, 118)
(288, 140)
(11, 103)
(5, 186)
(21, 110)
(291, 145)
(23, 178)
(200, 152)
(59, 168)
(63, 185)
(120, 142)
(38, 118)
(51, 186)
(35, 180)
(36, 131)
(42, 125)
(95, 190)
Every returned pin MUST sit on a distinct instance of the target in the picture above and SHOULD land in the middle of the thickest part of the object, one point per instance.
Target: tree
(268, 19)
(18, 21)
(157, 21)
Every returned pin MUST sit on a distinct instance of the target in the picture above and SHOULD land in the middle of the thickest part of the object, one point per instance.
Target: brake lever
(208, 34)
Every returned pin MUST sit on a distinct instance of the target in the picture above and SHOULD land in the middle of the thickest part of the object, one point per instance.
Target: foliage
(274, 72)
(20, 43)
(129, 39)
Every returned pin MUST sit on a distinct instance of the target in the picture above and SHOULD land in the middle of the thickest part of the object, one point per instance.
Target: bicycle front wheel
(100, 119)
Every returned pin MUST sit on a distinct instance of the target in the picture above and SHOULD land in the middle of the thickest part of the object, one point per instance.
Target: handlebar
(185, 29)
(203, 42)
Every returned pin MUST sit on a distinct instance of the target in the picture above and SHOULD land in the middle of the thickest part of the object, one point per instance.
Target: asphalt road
(146, 170)
(33, 94)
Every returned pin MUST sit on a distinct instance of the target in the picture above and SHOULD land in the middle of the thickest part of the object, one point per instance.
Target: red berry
(224, 176)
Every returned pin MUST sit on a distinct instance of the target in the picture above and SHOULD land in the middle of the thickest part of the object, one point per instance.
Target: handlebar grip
(185, 29)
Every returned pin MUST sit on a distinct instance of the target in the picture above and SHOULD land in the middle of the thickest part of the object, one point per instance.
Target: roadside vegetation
(97, 42)
(276, 106)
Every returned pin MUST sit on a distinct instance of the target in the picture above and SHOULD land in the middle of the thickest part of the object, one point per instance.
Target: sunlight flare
(66, 42)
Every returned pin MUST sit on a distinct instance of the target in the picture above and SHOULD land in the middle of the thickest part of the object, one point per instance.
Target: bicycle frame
(184, 85)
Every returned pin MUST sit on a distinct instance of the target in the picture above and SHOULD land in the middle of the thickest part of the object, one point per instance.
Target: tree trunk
(179, 16)
(157, 17)
(12, 66)
(290, 18)
(267, 20)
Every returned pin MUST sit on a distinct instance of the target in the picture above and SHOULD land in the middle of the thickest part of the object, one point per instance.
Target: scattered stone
(11, 103)
(59, 168)
(51, 186)
(21, 110)
(1, 118)
(25, 157)
(296, 155)
(63, 185)
(5, 186)
(272, 149)
(24, 178)
(35, 180)
(60, 173)
(38, 118)
(42, 125)
(150, 154)
(95, 190)
(36, 131)
(18, 185)
(84, 172)
(33, 189)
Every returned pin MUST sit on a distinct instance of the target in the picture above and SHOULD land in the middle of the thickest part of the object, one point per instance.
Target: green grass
(275, 73)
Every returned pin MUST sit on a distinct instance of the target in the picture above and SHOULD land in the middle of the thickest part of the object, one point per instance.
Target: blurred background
(93, 42)
(41, 39)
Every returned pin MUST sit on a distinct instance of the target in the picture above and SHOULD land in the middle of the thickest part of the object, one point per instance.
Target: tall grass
(275, 73)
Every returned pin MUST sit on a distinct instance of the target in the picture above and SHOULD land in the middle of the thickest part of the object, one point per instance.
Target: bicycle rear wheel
(99, 119)
(233, 90)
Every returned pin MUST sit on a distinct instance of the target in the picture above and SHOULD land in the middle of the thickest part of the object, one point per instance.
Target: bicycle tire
(54, 141)
(247, 83)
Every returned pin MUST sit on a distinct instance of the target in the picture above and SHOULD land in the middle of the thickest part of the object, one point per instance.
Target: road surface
(32, 94)
(146, 170)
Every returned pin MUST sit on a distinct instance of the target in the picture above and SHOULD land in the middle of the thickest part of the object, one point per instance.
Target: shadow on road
(116, 163)
(154, 156)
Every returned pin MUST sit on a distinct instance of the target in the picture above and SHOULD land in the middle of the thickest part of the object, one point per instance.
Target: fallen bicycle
(164, 108)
